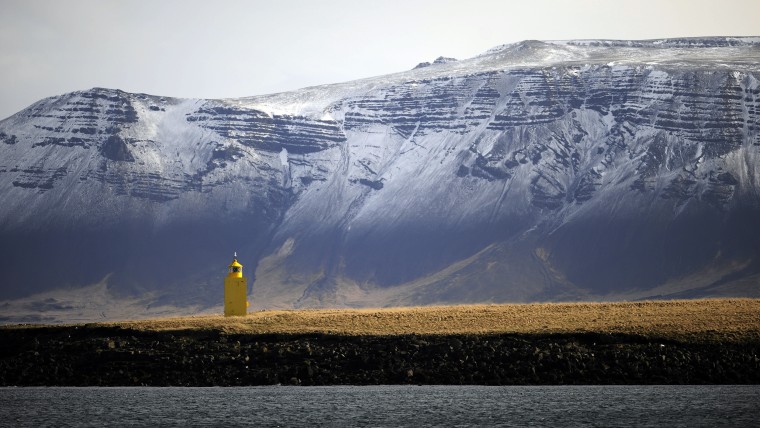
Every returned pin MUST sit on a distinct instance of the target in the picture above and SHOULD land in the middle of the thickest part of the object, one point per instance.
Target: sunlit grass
(704, 320)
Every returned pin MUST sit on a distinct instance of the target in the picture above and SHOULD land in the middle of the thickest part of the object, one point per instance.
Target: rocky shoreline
(114, 356)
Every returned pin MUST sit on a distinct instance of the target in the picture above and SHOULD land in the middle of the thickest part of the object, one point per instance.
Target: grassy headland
(657, 342)
(733, 320)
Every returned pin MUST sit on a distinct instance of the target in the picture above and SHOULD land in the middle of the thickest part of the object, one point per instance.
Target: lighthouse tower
(235, 290)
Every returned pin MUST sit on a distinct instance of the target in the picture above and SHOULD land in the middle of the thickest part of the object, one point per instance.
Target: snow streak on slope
(536, 171)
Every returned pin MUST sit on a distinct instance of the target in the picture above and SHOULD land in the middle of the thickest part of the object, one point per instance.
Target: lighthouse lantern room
(235, 290)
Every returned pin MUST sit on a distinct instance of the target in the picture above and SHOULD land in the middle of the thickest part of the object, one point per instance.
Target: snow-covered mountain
(567, 170)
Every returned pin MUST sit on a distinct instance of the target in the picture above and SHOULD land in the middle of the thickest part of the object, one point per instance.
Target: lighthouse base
(235, 297)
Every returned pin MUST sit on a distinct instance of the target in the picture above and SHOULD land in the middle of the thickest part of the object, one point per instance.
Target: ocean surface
(384, 406)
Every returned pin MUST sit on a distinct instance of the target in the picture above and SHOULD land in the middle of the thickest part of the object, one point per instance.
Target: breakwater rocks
(108, 356)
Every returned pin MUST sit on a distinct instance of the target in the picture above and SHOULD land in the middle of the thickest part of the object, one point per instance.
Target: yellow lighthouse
(235, 290)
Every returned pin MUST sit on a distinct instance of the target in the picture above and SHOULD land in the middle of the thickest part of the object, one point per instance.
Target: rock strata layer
(105, 356)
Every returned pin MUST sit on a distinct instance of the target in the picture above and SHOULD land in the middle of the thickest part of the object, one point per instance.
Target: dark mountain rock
(116, 149)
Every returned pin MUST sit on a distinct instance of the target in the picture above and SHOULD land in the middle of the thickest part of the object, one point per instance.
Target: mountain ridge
(535, 171)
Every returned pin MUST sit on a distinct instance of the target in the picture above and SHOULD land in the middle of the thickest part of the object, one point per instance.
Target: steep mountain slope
(536, 171)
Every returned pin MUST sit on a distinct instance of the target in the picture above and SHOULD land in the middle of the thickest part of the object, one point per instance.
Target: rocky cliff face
(536, 171)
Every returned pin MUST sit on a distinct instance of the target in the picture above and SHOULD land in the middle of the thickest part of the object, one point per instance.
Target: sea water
(381, 406)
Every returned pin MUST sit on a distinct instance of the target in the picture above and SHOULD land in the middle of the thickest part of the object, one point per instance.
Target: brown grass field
(710, 320)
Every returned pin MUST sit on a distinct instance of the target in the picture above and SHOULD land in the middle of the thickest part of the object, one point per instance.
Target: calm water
(396, 406)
